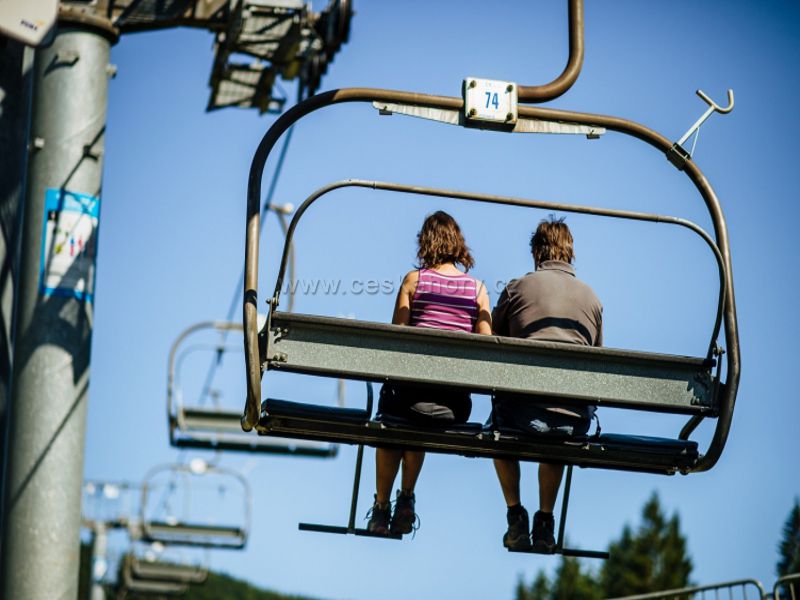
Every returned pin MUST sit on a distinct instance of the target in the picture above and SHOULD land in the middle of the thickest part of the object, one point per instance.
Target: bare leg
(549, 482)
(387, 463)
(509, 474)
(412, 465)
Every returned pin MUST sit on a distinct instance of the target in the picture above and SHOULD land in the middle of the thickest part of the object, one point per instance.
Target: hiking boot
(379, 516)
(542, 533)
(404, 519)
(517, 537)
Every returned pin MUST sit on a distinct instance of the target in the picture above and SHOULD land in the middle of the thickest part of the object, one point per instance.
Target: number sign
(490, 100)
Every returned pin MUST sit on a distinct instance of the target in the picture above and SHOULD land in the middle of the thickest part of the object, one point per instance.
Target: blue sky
(172, 239)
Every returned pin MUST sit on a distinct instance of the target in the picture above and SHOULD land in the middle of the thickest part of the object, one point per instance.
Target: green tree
(654, 558)
(538, 590)
(220, 585)
(572, 582)
(789, 548)
(217, 586)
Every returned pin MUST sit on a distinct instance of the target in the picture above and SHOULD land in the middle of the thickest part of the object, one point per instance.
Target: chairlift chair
(130, 583)
(164, 570)
(215, 427)
(378, 352)
(173, 531)
(155, 561)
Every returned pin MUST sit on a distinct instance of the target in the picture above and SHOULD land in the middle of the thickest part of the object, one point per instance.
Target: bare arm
(483, 324)
(402, 305)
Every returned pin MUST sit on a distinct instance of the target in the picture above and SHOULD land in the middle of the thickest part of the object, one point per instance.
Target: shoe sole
(517, 544)
(543, 547)
(402, 528)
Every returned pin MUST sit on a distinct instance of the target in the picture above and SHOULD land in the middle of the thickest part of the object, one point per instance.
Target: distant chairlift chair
(166, 570)
(131, 584)
(172, 531)
(215, 427)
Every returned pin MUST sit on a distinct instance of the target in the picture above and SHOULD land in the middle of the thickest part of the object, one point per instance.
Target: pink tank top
(445, 301)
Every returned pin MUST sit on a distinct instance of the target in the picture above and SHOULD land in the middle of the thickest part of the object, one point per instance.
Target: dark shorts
(424, 405)
(527, 415)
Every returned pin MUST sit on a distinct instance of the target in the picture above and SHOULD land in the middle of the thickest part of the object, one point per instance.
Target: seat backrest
(368, 351)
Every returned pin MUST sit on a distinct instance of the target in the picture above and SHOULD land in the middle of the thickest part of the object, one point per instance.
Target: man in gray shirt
(548, 304)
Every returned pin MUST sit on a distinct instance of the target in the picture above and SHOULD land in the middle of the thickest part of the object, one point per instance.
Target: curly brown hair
(440, 241)
(552, 240)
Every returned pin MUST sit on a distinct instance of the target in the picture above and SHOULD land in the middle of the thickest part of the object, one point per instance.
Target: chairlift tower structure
(62, 203)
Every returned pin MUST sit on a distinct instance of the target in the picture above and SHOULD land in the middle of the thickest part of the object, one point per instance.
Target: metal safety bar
(750, 589)
(351, 528)
(740, 589)
(206, 535)
(216, 428)
(728, 391)
(790, 584)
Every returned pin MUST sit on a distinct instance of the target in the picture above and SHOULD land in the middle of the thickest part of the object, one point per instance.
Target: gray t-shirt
(550, 304)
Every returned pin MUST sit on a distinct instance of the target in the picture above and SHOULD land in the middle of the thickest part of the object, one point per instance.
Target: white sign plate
(27, 21)
(490, 100)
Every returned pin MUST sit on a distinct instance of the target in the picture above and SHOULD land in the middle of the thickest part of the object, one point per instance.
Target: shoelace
(375, 507)
(415, 524)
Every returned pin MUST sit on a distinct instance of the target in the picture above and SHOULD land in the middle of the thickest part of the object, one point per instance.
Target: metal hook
(712, 107)
(716, 106)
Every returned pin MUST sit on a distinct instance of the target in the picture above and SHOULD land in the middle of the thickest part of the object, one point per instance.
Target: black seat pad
(633, 444)
(648, 444)
(286, 408)
(446, 427)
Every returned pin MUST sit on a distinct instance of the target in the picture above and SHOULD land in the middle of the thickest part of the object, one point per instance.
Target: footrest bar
(346, 530)
(564, 552)
(585, 553)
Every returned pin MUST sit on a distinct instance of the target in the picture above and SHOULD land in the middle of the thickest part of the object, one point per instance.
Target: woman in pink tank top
(437, 295)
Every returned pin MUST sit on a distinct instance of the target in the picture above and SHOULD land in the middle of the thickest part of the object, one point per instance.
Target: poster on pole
(69, 244)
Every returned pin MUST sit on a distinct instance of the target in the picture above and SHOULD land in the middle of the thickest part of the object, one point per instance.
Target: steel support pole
(99, 561)
(47, 416)
(16, 78)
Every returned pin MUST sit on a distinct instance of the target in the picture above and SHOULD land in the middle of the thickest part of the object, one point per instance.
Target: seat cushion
(648, 444)
(469, 428)
(286, 408)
